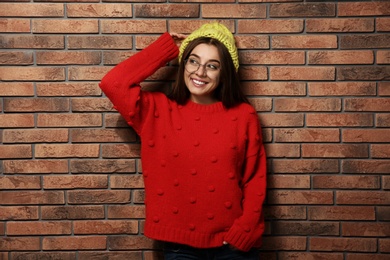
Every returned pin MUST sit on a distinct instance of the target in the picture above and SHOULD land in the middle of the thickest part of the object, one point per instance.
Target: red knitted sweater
(204, 166)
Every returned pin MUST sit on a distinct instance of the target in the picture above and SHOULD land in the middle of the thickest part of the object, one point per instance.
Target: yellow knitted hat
(217, 31)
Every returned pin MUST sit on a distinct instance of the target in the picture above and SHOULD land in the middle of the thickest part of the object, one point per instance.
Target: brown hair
(228, 91)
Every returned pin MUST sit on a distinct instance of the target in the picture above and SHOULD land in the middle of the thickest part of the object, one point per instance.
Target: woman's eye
(192, 61)
(212, 66)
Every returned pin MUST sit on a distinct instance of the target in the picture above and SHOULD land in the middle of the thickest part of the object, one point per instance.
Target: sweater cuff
(240, 238)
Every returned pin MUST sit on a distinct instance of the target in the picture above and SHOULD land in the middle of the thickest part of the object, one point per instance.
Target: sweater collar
(212, 108)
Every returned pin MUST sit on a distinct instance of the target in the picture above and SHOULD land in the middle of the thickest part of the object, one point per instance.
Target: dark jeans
(174, 251)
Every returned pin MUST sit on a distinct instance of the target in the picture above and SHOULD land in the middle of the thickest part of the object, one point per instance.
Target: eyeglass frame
(199, 64)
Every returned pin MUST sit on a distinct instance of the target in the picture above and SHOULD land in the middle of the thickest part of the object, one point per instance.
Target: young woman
(203, 160)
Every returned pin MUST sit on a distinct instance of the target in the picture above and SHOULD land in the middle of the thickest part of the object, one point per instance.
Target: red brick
(39, 228)
(282, 150)
(365, 229)
(115, 57)
(340, 25)
(305, 228)
(15, 151)
(305, 166)
(43, 255)
(383, 57)
(366, 166)
(366, 135)
(20, 243)
(380, 150)
(300, 197)
(16, 58)
(341, 89)
(110, 255)
(36, 105)
(302, 10)
(270, 26)
(16, 89)
(69, 120)
(274, 88)
(307, 104)
(126, 181)
(384, 245)
(157, 255)
(335, 150)
(383, 24)
(129, 243)
(230, 11)
(310, 256)
(261, 104)
(252, 41)
(306, 135)
(10, 25)
(384, 88)
(74, 243)
(68, 89)
(72, 212)
(86, 72)
(366, 257)
(105, 227)
(32, 197)
(102, 166)
(166, 10)
(339, 120)
(304, 42)
(32, 10)
(363, 73)
(382, 120)
(105, 136)
(35, 135)
(345, 182)
(302, 73)
(343, 244)
(363, 197)
(285, 243)
(340, 57)
(367, 104)
(272, 57)
(285, 212)
(91, 105)
(98, 10)
(281, 120)
(128, 212)
(19, 213)
(32, 41)
(279, 181)
(383, 213)
(386, 182)
(32, 74)
(366, 41)
(98, 197)
(133, 26)
(253, 73)
(100, 42)
(376, 8)
(67, 150)
(65, 26)
(188, 26)
(35, 166)
(20, 182)
(75, 182)
(139, 196)
(121, 151)
(68, 57)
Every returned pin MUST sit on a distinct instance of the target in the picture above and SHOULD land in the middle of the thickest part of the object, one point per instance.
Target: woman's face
(201, 74)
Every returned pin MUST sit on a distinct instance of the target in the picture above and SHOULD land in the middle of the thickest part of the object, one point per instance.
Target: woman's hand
(178, 38)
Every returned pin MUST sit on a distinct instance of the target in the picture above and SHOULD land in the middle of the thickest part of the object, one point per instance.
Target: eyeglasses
(192, 65)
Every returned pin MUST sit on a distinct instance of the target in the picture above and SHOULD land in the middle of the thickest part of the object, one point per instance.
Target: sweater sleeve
(247, 230)
(122, 83)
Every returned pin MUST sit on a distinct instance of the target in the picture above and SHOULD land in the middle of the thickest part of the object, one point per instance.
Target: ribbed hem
(181, 236)
(239, 238)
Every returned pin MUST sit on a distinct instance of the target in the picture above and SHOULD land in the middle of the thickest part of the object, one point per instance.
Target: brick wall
(316, 71)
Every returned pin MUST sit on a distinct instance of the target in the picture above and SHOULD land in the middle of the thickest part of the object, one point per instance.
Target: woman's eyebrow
(212, 60)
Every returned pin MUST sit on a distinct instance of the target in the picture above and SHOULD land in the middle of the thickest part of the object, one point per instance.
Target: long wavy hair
(228, 91)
